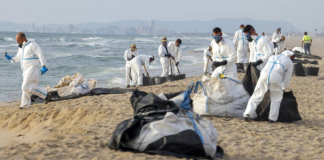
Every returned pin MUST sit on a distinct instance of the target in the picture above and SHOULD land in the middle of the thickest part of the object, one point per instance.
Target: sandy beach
(80, 128)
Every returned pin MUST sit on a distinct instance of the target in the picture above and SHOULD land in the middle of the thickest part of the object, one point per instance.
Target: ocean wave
(10, 45)
(92, 38)
(9, 39)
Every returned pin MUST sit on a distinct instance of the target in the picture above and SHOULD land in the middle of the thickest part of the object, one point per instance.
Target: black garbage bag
(303, 55)
(95, 91)
(99, 91)
(149, 108)
(288, 108)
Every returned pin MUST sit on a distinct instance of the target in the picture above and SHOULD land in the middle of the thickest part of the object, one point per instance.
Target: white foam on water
(4, 46)
(8, 39)
(193, 59)
(92, 38)
(200, 49)
(101, 50)
(116, 82)
(52, 56)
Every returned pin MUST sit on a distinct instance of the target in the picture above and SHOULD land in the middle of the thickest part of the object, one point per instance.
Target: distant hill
(227, 25)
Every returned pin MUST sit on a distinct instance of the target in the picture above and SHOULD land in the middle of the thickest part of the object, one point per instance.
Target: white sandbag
(300, 49)
(220, 97)
(73, 85)
(173, 124)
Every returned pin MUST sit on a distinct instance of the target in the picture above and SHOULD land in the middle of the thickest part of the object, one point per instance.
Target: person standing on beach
(29, 55)
(128, 56)
(242, 44)
(275, 77)
(307, 42)
(136, 66)
(176, 53)
(207, 57)
(223, 55)
(165, 55)
(264, 35)
(261, 48)
(276, 38)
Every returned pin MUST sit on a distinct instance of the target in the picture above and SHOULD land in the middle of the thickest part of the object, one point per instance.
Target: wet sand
(80, 128)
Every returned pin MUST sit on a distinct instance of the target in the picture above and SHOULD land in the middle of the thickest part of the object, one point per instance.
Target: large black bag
(149, 108)
(288, 108)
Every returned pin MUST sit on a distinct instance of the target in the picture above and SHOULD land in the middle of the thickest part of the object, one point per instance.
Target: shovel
(180, 76)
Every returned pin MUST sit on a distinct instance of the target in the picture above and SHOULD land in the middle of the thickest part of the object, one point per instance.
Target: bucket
(311, 71)
(299, 70)
(160, 80)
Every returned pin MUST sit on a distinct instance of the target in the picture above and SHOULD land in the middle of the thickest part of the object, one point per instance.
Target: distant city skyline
(305, 16)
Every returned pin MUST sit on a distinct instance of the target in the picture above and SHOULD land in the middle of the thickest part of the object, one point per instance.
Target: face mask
(217, 38)
(20, 45)
(254, 37)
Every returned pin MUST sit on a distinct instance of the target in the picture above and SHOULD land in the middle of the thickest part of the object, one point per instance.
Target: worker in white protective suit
(276, 38)
(223, 55)
(264, 35)
(242, 44)
(165, 57)
(136, 67)
(176, 52)
(207, 58)
(261, 47)
(29, 55)
(128, 56)
(275, 77)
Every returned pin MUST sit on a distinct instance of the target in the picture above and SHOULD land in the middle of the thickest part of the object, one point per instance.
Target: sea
(99, 57)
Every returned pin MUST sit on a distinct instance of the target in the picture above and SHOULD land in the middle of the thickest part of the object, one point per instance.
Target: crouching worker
(136, 66)
(29, 55)
(274, 77)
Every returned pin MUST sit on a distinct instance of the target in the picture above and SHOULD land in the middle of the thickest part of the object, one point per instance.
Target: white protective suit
(242, 44)
(276, 38)
(206, 60)
(275, 76)
(136, 66)
(165, 61)
(129, 54)
(176, 52)
(225, 50)
(260, 48)
(29, 56)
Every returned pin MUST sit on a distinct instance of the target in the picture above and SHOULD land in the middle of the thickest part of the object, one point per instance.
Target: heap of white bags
(73, 85)
(224, 97)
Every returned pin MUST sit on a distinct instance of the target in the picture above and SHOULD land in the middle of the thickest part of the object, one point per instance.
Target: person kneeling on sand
(136, 66)
(275, 77)
(29, 55)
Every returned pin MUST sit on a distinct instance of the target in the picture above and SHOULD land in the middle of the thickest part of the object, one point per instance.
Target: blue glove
(43, 70)
(9, 57)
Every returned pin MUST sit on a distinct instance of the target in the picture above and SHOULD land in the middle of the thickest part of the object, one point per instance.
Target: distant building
(32, 28)
(152, 27)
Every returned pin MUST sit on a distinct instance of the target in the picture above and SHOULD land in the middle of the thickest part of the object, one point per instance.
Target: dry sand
(80, 128)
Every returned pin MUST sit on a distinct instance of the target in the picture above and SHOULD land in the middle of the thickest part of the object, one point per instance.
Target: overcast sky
(303, 14)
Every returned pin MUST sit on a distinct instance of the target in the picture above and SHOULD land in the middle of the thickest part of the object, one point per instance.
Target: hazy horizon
(301, 14)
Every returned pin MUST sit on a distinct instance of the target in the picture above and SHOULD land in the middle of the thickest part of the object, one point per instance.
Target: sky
(303, 14)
